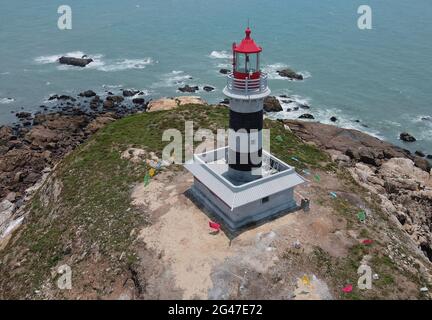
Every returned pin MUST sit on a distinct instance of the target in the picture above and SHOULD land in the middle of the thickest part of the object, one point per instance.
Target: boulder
(208, 88)
(272, 104)
(171, 103)
(77, 62)
(306, 116)
(98, 123)
(41, 136)
(6, 133)
(139, 101)
(224, 71)
(130, 93)
(333, 119)
(115, 99)
(288, 73)
(108, 104)
(23, 115)
(188, 88)
(87, 94)
(405, 136)
(419, 153)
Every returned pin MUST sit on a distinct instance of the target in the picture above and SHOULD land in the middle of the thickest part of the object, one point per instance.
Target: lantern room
(246, 58)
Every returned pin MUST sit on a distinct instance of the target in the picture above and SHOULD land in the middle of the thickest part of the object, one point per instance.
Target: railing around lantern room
(247, 86)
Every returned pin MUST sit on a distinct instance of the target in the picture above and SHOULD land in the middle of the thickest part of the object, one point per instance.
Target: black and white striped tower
(246, 89)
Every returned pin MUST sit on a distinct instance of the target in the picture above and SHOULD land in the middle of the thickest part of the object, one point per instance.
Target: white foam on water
(172, 79)
(220, 55)
(322, 115)
(99, 62)
(5, 73)
(6, 100)
(272, 71)
(120, 65)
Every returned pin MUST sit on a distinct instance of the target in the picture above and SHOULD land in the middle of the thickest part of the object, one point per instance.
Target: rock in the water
(419, 153)
(115, 99)
(224, 71)
(188, 88)
(108, 104)
(87, 94)
(272, 104)
(225, 101)
(77, 62)
(405, 136)
(130, 93)
(138, 101)
(429, 156)
(333, 119)
(23, 115)
(306, 116)
(208, 88)
(291, 74)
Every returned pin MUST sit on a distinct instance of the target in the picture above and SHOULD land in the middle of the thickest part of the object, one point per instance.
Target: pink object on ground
(348, 288)
(214, 225)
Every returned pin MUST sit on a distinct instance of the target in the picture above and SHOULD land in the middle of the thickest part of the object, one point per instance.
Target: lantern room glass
(247, 63)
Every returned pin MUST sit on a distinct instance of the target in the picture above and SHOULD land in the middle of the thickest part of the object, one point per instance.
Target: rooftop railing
(247, 86)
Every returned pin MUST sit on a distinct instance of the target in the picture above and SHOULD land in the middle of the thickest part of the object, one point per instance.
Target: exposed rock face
(272, 104)
(405, 136)
(402, 181)
(288, 73)
(171, 103)
(406, 193)
(347, 141)
(77, 62)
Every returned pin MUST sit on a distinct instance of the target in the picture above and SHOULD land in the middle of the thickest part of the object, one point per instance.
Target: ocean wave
(99, 63)
(6, 100)
(54, 58)
(220, 55)
(5, 73)
(125, 64)
(173, 78)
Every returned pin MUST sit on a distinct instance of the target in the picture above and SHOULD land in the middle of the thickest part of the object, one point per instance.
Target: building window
(264, 200)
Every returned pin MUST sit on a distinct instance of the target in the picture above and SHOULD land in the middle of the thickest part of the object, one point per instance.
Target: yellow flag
(305, 279)
(152, 172)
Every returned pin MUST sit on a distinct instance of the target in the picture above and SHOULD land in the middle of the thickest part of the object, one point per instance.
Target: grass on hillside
(93, 213)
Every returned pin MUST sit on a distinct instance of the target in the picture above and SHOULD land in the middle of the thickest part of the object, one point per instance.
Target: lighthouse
(246, 89)
(242, 183)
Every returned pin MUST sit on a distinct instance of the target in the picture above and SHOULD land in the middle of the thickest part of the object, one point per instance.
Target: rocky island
(72, 192)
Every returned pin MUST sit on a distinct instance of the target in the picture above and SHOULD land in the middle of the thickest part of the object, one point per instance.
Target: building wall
(249, 213)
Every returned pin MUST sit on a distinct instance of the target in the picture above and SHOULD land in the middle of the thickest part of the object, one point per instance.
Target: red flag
(367, 241)
(214, 225)
(348, 288)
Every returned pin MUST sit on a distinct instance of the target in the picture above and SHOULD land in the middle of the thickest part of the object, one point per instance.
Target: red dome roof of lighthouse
(247, 45)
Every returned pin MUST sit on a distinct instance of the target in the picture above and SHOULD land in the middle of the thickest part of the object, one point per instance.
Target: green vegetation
(93, 213)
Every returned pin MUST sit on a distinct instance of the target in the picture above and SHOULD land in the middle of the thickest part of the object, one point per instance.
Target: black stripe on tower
(240, 159)
(246, 121)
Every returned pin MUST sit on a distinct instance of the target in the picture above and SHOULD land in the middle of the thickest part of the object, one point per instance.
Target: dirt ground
(203, 264)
